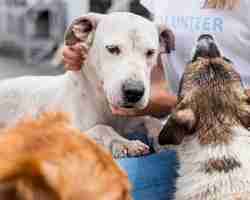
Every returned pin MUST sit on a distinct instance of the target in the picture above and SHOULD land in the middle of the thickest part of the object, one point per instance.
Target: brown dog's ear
(167, 39)
(82, 29)
(244, 111)
(248, 96)
(179, 124)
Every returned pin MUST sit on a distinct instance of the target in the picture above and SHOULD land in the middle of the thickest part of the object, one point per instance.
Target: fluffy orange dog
(47, 159)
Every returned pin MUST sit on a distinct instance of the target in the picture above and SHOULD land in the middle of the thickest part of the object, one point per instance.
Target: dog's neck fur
(215, 170)
(216, 113)
(86, 84)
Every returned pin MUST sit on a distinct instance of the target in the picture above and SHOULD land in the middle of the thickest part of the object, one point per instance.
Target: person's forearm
(161, 102)
(248, 92)
(161, 105)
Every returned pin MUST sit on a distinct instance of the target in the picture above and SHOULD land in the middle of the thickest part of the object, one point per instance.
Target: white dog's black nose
(133, 91)
(206, 47)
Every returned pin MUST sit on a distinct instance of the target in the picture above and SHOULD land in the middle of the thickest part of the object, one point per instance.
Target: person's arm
(248, 92)
(161, 103)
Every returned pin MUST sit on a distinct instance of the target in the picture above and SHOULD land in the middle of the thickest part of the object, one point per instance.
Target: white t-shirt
(188, 19)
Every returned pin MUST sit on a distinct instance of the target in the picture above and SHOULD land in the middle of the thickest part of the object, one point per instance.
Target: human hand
(160, 104)
(248, 92)
(123, 112)
(74, 56)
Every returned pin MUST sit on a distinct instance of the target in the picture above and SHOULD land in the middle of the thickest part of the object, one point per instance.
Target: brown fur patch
(47, 157)
(221, 165)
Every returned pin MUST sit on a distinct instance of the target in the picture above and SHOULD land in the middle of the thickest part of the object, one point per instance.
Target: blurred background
(31, 31)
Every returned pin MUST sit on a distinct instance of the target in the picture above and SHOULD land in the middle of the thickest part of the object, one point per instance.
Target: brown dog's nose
(206, 47)
(206, 37)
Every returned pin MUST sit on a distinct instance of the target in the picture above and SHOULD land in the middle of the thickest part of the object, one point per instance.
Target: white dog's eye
(150, 53)
(113, 49)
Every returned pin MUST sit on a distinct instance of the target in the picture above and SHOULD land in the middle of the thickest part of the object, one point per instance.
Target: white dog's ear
(167, 39)
(82, 29)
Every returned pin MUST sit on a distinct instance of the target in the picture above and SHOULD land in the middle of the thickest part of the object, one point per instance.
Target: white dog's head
(123, 49)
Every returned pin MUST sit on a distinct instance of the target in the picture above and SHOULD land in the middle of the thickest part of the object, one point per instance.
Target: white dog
(123, 49)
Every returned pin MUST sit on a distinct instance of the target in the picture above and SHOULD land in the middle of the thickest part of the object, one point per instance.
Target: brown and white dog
(210, 122)
(48, 159)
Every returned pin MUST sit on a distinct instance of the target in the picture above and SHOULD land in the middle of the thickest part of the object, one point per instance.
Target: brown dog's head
(48, 159)
(211, 99)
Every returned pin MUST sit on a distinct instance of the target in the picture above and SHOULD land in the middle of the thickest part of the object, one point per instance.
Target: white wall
(76, 8)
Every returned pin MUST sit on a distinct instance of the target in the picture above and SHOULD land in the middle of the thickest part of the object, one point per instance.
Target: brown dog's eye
(150, 53)
(113, 49)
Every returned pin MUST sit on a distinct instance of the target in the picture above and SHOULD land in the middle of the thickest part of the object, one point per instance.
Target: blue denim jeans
(153, 177)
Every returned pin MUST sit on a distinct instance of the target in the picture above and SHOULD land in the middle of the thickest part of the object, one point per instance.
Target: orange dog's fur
(47, 159)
